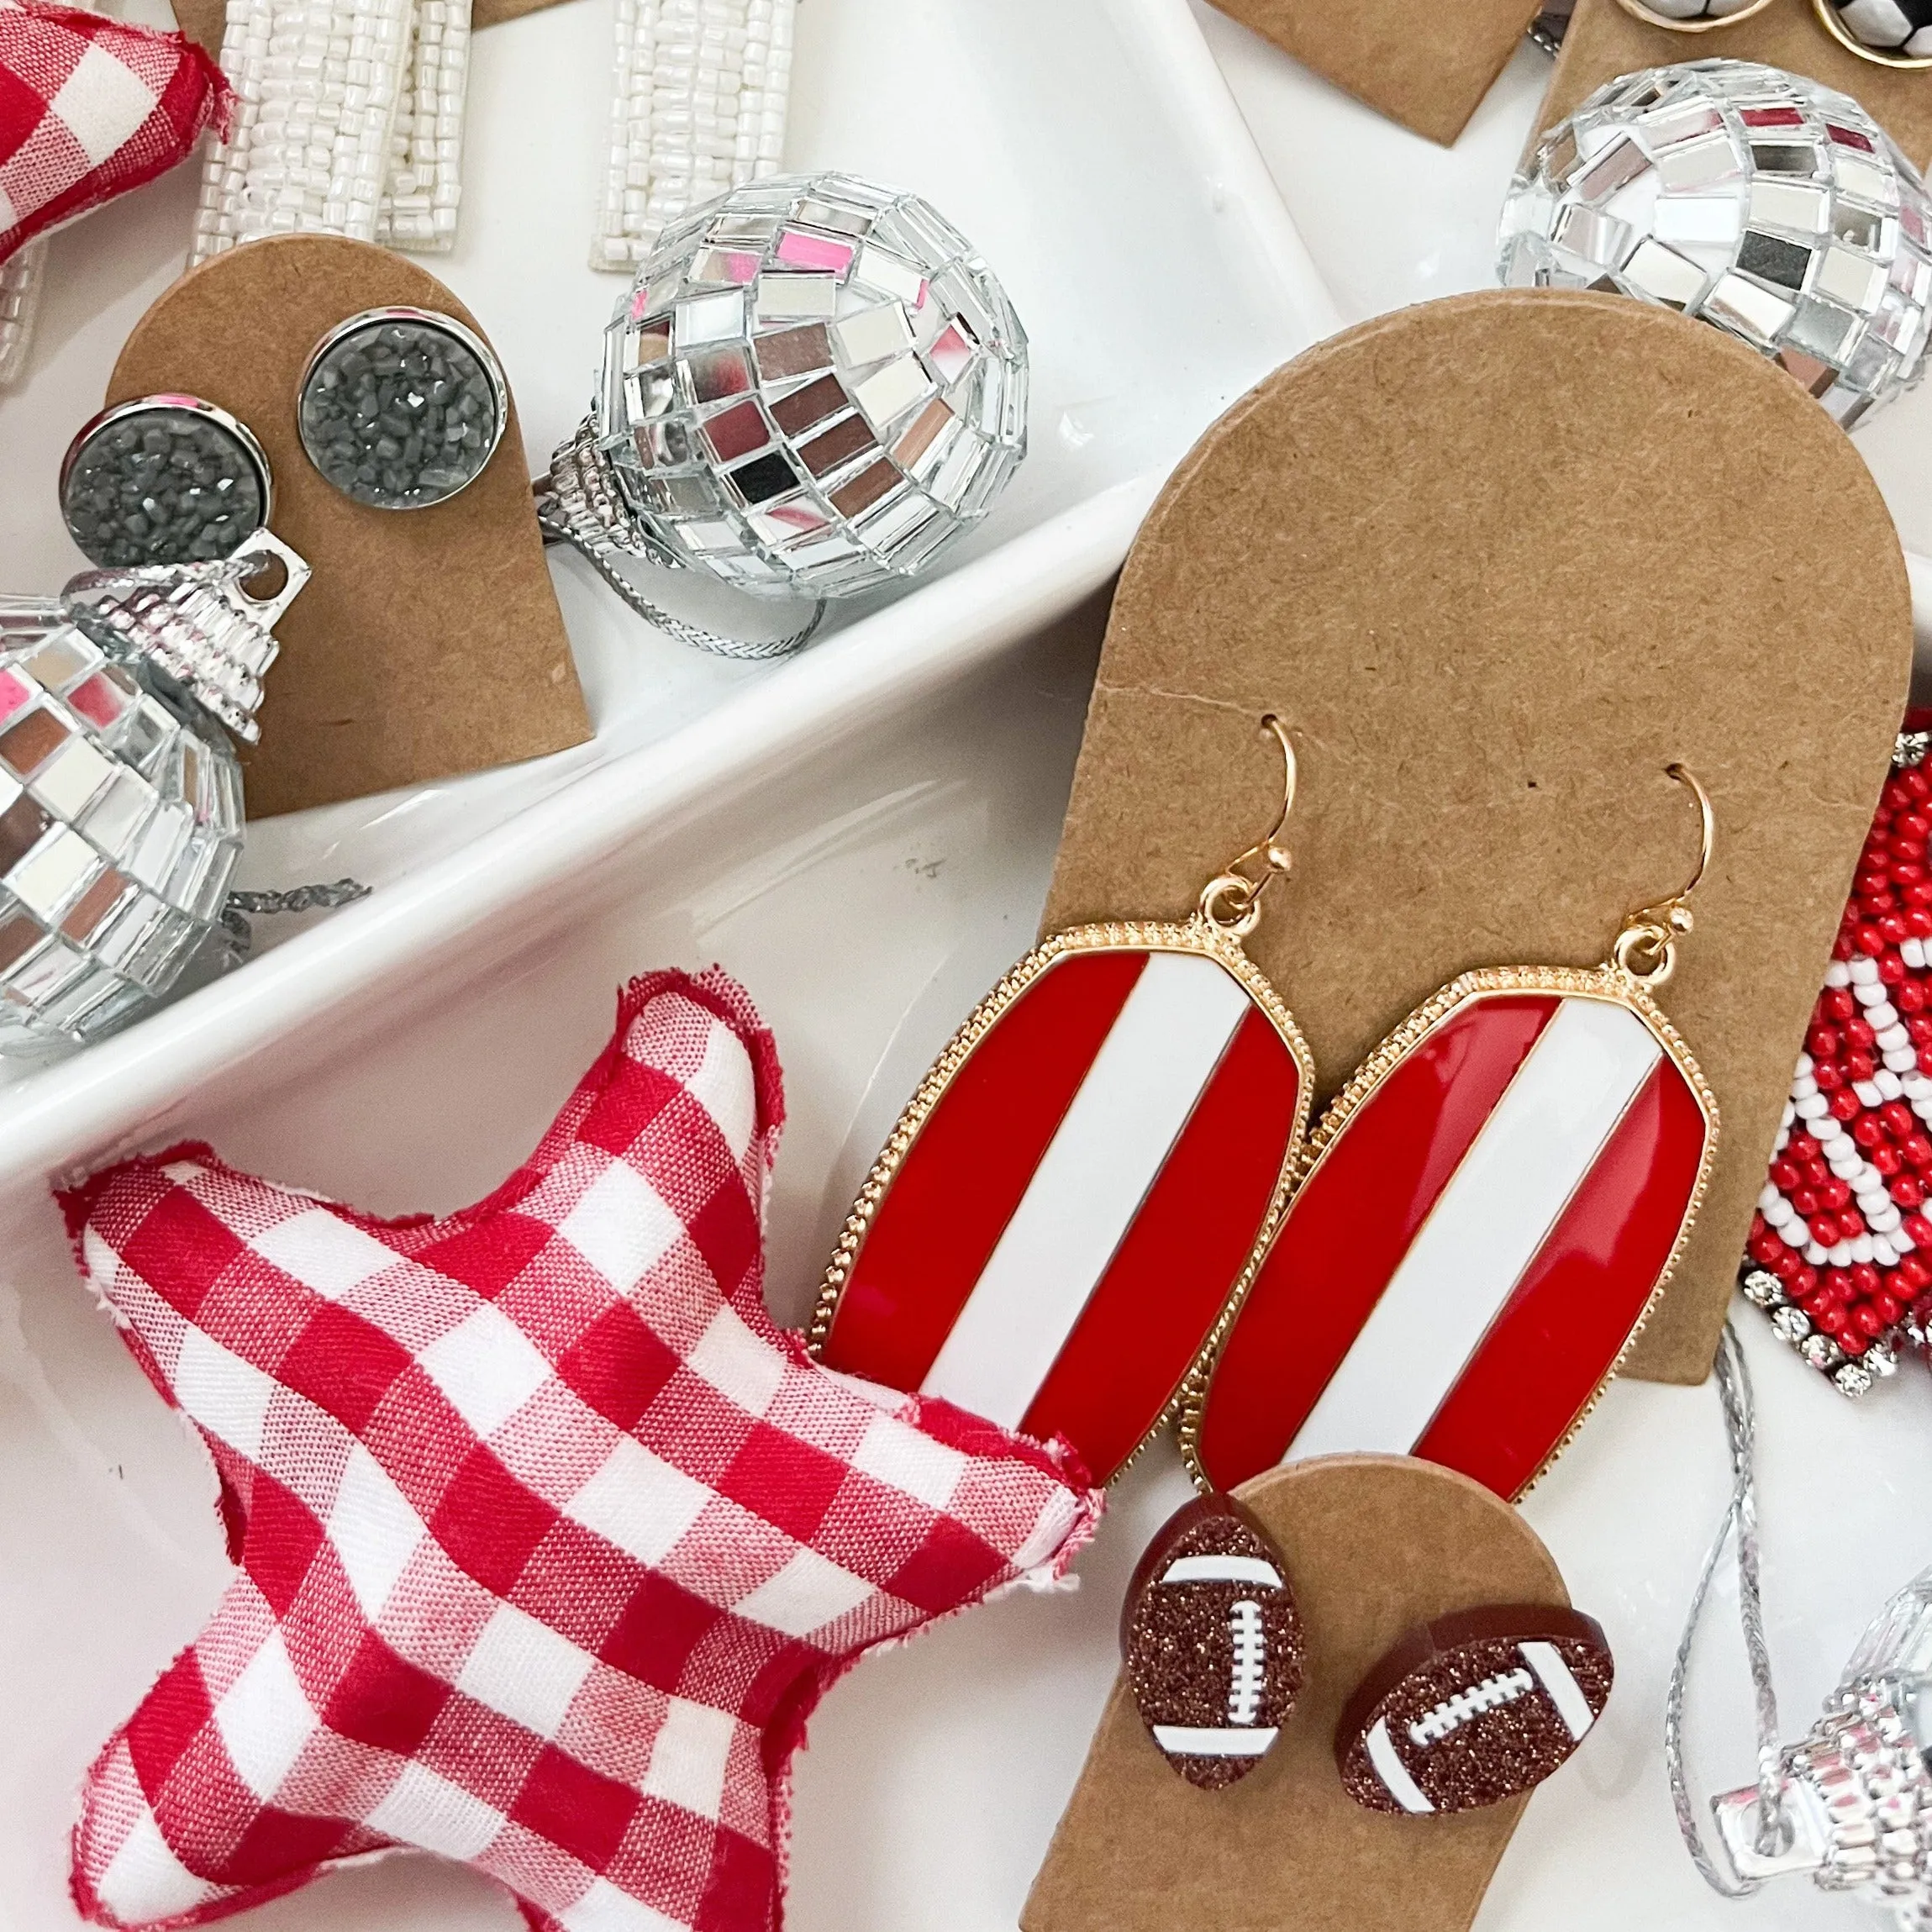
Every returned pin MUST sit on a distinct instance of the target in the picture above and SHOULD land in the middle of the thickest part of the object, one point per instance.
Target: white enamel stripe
(1392, 1771)
(1160, 1053)
(1565, 1691)
(1575, 1084)
(1181, 1740)
(1214, 1568)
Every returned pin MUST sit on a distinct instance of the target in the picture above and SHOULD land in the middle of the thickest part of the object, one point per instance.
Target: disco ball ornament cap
(120, 795)
(813, 386)
(1759, 201)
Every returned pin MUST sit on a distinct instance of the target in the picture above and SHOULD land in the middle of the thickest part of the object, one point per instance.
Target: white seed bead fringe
(320, 84)
(20, 277)
(698, 108)
(424, 183)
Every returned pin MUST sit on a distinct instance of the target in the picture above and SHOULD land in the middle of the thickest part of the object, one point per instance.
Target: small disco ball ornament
(813, 386)
(1755, 200)
(120, 795)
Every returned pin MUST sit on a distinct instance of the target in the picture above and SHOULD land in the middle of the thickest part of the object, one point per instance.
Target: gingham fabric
(89, 108)
(548, 1540)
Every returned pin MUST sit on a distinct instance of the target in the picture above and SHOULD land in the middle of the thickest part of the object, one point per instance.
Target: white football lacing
(1249, 1677)
(1505, 1689)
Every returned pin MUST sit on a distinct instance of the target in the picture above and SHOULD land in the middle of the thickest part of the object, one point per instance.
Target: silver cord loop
(1740, 1520)
(695, 634)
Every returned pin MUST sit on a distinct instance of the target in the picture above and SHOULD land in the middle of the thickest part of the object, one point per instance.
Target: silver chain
(600, 560)
(238, 907)
(1739, 1520)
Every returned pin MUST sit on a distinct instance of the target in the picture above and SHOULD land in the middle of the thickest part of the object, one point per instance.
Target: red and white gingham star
(89, 108)
(548, 1540)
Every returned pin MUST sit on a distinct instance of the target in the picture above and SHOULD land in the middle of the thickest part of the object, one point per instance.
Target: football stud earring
(1489, 1210)
(1076, 1195)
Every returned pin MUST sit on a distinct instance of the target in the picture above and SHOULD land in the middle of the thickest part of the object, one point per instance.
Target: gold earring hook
(1232, 900)
(1646, 949)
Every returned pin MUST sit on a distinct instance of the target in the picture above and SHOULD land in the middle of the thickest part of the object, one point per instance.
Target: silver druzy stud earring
(814, 385)
(164, 480)
(401, 409)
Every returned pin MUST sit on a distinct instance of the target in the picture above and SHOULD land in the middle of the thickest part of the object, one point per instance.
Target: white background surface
(866, 885)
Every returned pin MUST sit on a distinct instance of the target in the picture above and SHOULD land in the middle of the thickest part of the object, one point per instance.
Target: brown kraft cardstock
(1374, 1545)
(427, 642)
(1426, 65)
(1497, 561)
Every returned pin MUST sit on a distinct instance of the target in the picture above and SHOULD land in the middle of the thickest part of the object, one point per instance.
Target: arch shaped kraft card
(1375, 1546)
(1498, 561)
(429, 641)
(1427, 67)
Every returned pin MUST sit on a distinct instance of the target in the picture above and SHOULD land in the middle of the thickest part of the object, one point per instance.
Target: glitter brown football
(1473, 1709)
(1213, 1642)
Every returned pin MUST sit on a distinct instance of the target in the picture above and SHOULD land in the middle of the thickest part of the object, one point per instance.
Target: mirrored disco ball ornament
(120, 797)
(1755, 200)
(813, 386)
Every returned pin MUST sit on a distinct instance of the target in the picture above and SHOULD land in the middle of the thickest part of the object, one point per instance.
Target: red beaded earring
(1840, 1253)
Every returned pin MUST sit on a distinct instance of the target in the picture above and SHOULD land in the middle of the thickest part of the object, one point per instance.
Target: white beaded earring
(698, 107)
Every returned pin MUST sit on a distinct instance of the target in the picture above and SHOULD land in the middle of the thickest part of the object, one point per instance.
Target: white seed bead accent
(20, 278)
(698, 106)
(1913, 952)
(1868, 1092)
(1889, 1085)
(320, 81)
(1837, 973)
(424, 184)
(1864, 971)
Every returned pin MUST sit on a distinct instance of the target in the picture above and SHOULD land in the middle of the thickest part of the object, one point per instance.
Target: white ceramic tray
(1092, 151)
(864, 851)
(865, 893)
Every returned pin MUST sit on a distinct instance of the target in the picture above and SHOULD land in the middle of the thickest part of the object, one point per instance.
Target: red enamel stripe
(1569, 1316)
(1166, 1284)
(966, 1171)
(1351, 1226)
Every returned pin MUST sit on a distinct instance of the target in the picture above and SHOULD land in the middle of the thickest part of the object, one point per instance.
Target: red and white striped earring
(1489, 1212)
(1074, 1200)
